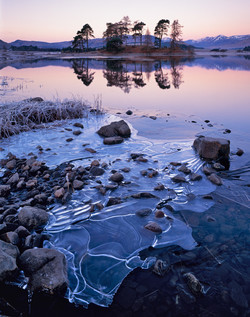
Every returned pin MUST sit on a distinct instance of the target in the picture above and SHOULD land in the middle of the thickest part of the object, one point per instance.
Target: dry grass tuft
(16, 117)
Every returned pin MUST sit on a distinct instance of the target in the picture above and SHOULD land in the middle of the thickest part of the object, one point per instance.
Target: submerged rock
(154, 227)
(117, 128)
(194, 284)
(143, 212)
(215, 179)
(46, 269)
(117, 177)
(212, 148)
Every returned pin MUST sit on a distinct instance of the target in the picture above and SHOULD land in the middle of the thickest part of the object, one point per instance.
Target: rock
(142, 159)
(143, 195)
(114, 201)
(113, 140)
(118, 128)
(77, 132)
(129, 112)
(11, 164)
(195, 177)
(143, 212)
(13, 180)
(32, 217)
(153, 117)
(159, 187)
(4, 190)
(208, 170)
(175, 163)
(212, 148)
(35, 99)
(218, 167)
(178, 179)
(194, 284)
(154, 227)
(160, 267)
(159, 214)
(59, 193)
(169, 207)
(69, 139)
(239, 152)
(215, 179)
(184, 169)
(97, 171)
(90, 150)
(116, 177)
(22, 232)
(31, 183)
(21, 184)
(95, 163)
(46, 269)
(126, 169)
(77, 184)
(144, 172)
(78, 125)
(10, 237)
(41, 198)
(8, 255)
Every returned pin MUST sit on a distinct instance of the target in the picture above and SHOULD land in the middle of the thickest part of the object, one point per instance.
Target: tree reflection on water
(132, 74)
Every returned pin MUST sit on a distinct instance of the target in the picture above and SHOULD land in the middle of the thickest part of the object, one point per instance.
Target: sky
(59, 20)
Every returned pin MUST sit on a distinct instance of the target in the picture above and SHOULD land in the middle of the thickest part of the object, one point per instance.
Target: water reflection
(127, 74)
(83, 72)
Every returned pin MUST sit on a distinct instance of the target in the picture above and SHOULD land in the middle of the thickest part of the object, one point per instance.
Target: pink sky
(59, 20)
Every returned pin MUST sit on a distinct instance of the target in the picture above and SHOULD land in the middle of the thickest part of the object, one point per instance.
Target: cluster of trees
(116, 34)
(32, 48)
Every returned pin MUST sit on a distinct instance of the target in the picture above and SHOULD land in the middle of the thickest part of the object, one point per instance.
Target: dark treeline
(117, 35)
(128, 75)
(31, 48)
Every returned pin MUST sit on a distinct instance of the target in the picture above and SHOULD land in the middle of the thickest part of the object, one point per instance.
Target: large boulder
(117, 128)
(46, 269)
(32, 217)
(8, 255)
(212, 148)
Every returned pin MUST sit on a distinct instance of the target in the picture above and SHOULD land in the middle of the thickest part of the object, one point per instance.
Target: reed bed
(16, 117)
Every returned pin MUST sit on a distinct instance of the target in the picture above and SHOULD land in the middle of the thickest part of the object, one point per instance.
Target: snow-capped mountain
(221, 41)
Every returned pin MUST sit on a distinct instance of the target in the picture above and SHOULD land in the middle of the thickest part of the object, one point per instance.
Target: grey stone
(195, 177)
(116, 177)
(178, 179)
(59, 193)
(8, 255)
(118, 128)
(154, 227)
(11, 164)
(78, 125)
(97, 171)
(212, 148)
(4, 190)
(46, 269)
(10, 237)
(184, 169)
(13, 179)
(77, 184)
(143, 212)
(215, 179)
(32, 217)
(113, 140)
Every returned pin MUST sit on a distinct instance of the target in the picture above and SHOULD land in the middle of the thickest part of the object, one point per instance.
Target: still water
(212, 235)
(214, 88)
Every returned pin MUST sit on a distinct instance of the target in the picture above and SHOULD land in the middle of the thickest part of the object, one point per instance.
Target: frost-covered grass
(16, 117)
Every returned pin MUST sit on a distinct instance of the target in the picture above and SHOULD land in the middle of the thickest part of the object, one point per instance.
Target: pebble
(143, 212)
(159, 214)
(129, 112)
(69, 139)
(178, 179)
(154, 227)
(90, 150)
(78, 125)
(117, 177)
(195, 177)
(215, 179)
(239, 152)
(77, 132)
(59, 193)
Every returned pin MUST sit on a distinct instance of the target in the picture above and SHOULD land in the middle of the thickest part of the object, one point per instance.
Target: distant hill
(220, 41)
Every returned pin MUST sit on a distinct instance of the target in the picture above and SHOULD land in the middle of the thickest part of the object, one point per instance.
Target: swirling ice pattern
(103, 247)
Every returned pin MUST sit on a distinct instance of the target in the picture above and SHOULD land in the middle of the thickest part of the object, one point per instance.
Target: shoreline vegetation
(33, 113)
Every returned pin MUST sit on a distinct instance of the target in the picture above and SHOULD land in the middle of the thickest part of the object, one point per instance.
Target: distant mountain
(222, 41)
